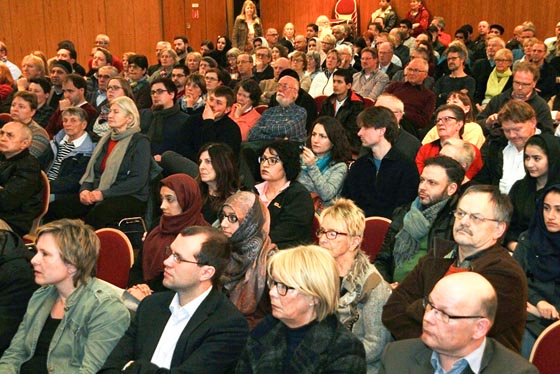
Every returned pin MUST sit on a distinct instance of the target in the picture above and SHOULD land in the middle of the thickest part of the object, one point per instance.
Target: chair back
(116, 257)
(261, 108)
(319, 102)
(545, 351)
(368, 103)
(314, 227)
(30, 237)
(347, 10)
(376, 228)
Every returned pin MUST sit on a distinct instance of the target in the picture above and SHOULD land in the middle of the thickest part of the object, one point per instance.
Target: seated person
(303, 334)
(363, 290)
(72, 148)
(289, 203)
(324, 161)
(193, 327)
(448, 342)
(383, 179)
(537, 253)
(115, 184)
(415, 226)
(245, 221)
(270, 86)
(195, 95)
(165, 124)
(243, 112)
(41, 87)
(74, 320)
(21, 192)
(137, 70)
(116, 87)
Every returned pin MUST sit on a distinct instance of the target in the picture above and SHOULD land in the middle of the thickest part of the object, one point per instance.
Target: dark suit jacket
(211, 342)
(412, 356)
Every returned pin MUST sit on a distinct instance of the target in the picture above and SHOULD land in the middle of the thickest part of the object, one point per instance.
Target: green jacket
(93, 323)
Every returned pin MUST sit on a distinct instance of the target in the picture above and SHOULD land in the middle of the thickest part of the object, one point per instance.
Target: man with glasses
(193, 327)
(262, 69)
(456, 321)
(419, 102)
(97, 86)
(481, 219)
(415, 226)
(525, 78)
(457, 79)
(179, 75)
(370, 82)
(244, 69)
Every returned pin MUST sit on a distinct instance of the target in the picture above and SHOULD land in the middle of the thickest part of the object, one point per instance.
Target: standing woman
(218, 178)
(363, 291)
(287, 200)
(247, 26)
(245, 221)
(538, 253)
(74, 320)
(324, 161)
(303, 334)
(542, 169)
(115, 184)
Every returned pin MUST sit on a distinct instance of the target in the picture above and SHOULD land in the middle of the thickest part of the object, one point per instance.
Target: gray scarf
(416, 225)
(114, 160)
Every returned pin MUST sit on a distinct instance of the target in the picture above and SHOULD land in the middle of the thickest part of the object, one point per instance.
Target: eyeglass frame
(475, 218)
(177, 259)
(232, 218)
(440, 314)
(445, 120)
(263, 158)
(321, 231)
(159, 91)
(281, 288)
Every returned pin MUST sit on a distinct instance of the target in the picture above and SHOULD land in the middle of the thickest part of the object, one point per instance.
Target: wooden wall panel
(137, 25)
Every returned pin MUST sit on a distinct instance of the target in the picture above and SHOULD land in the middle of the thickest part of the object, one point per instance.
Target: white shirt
(512, 169)
(180, 317)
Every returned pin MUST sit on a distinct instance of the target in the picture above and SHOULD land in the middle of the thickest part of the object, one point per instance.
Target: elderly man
(21, 189)
(97, 88)
(287, 120)
(371, 81)
(269, 86)
(300, 43)
(419, 102)
(244, 69)
(72, 148)
(482, 68)
(481, 219)
(383, 179)
(525, 78)
(193, 327)
(262, 69)
(415, 226)
(271, 36)
(456, 320)
(386, 51)
(160, 46)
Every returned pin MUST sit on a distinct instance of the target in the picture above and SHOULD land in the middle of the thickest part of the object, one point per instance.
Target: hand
(394, 285)
(208, 113)
(547, 310)
(492, 119)
(64, 104)
(140, 291)
(22, 84)
(85, 197)
(511, 246)
(157, 158)
(189, 100)
(308, 156)
(96, 196)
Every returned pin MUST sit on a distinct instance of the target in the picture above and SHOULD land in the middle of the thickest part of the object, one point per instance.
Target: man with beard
(415, 226)
(457, 80)
(456, 320)
(181, 46)
(481, 219)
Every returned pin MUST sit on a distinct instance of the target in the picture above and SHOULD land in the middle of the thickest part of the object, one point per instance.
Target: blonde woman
(247, 26)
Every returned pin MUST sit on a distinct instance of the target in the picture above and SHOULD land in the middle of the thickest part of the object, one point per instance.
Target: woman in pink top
(247, 94)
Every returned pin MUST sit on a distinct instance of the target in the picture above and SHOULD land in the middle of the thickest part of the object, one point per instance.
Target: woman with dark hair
(472, 132)
(277, 51)
(324, 161)
(450, 121)
(538, 253)
(181, 207)
(195, 95)
(206, 47)
(223, 45)
(137, 69)
(218, 177)
(247, 26)
(542, 169)
(246, 222)
(247, 93)
(288, 201)
(116, 87)
(101, 57)
(206, 63)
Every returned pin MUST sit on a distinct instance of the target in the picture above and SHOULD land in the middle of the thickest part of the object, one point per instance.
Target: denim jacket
(93, 323)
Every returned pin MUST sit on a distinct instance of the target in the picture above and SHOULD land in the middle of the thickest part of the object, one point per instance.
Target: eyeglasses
(285, 86)
(262, 55)
(412, 70)
(281, 288)
(114, 88)
(297, 59)
(440, 314)
(523, 84)
(159, 91)
(445, 120)
(177, 258)
(270, 160)
(232, 218)
(473, 217)
(331, 234)
(178, 75)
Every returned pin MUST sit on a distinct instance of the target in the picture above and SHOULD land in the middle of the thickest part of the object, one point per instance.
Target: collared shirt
(101, 97)
(472, 360)
(371, 85)
(263, 187)
(513, 167)
(281, 122)
(180, 317)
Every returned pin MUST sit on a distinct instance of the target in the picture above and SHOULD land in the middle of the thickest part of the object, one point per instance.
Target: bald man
(455, 323)
(20, 179)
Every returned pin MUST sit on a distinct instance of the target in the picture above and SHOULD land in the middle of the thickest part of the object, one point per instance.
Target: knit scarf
(114, 160)
(322, 163)
(496, 83)
(416, 225)
(155, 132)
